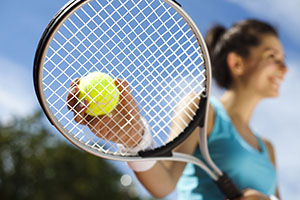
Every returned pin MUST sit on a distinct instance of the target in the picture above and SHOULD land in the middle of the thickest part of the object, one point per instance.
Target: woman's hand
(122, 125)
(250, 194)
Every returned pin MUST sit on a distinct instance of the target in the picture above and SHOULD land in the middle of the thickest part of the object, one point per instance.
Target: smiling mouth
(276, 81)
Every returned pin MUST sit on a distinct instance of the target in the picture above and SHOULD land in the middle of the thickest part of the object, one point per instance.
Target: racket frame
(164, 151)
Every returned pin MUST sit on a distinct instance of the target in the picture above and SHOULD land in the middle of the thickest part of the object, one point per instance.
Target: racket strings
(92, 32)
(119, 134)
(149, 45)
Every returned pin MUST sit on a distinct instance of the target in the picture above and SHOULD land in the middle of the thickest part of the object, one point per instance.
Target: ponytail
(213, 36)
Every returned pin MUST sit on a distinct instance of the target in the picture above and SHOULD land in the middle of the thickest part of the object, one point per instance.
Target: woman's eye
(271, 56)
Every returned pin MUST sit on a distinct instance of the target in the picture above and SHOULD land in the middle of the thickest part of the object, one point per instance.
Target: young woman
(248, 62)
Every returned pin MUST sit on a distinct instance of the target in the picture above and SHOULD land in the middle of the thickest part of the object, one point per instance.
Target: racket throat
(158, 152)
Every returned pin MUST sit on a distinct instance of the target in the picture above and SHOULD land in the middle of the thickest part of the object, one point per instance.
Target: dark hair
(240, 38)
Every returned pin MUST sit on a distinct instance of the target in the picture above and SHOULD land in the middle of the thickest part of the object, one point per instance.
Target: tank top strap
(219, 109)
(223, 127)
(263, 149)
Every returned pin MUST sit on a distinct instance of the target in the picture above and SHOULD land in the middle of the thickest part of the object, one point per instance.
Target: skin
(113, 127)
(254, 78)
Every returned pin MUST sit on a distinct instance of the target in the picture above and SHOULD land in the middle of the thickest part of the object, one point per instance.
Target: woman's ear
(235, 64)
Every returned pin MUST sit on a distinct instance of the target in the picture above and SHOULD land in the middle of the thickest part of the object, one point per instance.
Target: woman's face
(265, 68)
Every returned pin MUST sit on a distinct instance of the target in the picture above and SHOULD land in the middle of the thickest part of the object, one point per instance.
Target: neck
(240, 104)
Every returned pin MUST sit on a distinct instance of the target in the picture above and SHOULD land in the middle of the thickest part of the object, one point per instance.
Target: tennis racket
(159, 59)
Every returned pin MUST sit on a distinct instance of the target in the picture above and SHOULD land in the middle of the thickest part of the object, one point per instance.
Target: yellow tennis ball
(100, 91)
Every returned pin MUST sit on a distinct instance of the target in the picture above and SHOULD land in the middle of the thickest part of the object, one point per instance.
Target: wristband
(272, 197)
(145, 143)
(141, 166)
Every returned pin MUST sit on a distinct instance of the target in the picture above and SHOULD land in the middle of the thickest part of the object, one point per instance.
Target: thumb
(124, 89)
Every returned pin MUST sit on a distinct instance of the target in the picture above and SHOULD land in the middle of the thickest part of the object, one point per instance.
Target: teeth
(277, 81)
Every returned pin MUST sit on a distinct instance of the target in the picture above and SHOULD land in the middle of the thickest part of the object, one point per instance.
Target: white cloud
(16, 90)
(284, 14)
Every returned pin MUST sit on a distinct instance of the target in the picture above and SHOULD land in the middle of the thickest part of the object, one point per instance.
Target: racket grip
(228, 188)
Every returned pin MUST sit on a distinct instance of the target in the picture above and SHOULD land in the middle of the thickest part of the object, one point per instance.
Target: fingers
(127, 102)
(72, 97)
(251, 194)
(129, 126)
(124, 89)
(102, 127)
(121, 126)
(74, 105)
(79, 112)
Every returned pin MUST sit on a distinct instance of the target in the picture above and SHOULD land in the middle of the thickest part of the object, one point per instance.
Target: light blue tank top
(248, 167)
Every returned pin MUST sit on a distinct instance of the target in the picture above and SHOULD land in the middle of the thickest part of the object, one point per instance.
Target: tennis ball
(100, 91)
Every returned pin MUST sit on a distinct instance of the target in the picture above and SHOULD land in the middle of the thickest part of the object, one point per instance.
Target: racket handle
(228, 188)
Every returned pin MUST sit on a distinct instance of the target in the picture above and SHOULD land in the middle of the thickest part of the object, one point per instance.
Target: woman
(248, 62)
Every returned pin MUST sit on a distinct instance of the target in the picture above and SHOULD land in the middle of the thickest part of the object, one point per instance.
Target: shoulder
(270, 149)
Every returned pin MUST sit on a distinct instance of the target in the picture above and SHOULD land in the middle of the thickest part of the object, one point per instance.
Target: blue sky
(22, 23)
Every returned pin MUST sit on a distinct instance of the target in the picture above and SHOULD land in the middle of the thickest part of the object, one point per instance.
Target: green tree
(37, 165)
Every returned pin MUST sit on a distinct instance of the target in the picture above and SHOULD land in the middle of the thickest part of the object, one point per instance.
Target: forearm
(162, 178)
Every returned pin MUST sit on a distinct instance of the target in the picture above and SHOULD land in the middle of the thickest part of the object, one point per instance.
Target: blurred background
(37, 163)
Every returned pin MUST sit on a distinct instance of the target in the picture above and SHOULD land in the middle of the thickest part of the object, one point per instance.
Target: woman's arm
(161, 179)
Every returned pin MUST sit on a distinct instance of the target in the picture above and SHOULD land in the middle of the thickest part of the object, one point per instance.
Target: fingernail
(73, 90)
(81, 106)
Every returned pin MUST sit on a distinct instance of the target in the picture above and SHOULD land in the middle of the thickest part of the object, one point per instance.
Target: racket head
(153, 45)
